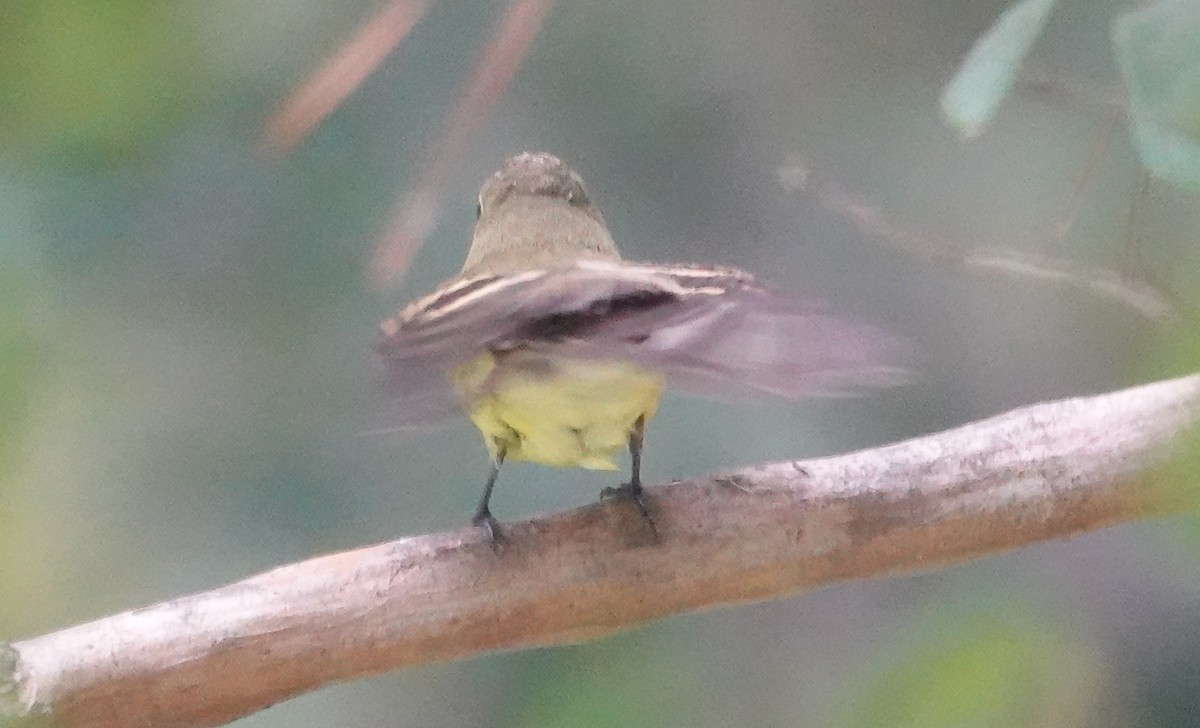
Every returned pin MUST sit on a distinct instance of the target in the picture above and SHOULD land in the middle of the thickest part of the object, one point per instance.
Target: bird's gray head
(534, 212)
(534, 174)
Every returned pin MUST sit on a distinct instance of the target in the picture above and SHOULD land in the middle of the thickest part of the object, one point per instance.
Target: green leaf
(1158, 47)
(986, 76)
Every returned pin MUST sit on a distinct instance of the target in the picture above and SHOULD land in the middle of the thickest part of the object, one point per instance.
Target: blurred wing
(710, 331)
(496, 312)
(726, 336)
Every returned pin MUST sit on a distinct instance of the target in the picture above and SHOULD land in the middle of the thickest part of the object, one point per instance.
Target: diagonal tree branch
(1037, 473)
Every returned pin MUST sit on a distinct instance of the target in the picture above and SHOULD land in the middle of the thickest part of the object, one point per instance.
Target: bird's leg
(483, 512)
(633, 489)
(637, 437)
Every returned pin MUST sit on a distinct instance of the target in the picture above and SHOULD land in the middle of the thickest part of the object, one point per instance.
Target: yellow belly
(562, 412)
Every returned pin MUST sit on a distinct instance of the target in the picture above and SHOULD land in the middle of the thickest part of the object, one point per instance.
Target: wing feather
(715, 332)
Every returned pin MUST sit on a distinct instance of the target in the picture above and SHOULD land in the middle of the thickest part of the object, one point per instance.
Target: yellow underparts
(562, 412)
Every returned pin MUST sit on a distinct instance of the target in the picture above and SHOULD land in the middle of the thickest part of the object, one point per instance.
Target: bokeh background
(186, 374)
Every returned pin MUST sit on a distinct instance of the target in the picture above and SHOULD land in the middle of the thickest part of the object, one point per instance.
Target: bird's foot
(635, 494)
(486, 522)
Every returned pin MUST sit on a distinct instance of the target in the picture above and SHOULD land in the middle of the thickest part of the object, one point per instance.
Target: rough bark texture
(1038, 473)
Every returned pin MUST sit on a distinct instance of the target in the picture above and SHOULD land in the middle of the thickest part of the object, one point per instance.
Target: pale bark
(1038, 473)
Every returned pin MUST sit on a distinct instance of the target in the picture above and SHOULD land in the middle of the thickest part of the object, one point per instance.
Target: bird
(559, 351)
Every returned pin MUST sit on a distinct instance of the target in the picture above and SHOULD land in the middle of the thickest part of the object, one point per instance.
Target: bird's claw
(635, 494)
(487, 523)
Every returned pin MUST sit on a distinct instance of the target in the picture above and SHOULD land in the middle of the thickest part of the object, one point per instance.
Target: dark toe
(491, 529)
(636, 495)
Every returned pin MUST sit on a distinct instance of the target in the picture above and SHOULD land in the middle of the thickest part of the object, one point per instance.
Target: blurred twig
(326, 89)
(1132, 263)
(1038, 473)
(1074, 90)
(1128, 285)
(1124, 286)
(1097, 149)
(415, 213)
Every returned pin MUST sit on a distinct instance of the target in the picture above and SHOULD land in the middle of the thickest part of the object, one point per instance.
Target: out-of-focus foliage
(982, 668)
(630, 682)
(990, 69)
(1159, 49)
(27, 723)
(22, 362)
(1182, 476)
(93, 81)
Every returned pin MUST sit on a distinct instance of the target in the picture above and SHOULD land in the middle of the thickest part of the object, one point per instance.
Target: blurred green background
(186, 370)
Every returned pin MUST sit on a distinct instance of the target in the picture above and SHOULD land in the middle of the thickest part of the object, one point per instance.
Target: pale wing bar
(449, 327)
(710, 331)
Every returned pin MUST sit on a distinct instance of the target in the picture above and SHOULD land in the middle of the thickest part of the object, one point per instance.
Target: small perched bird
(559, 350)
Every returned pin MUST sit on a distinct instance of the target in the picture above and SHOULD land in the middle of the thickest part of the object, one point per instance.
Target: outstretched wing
(732, 336)
(712, 331)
